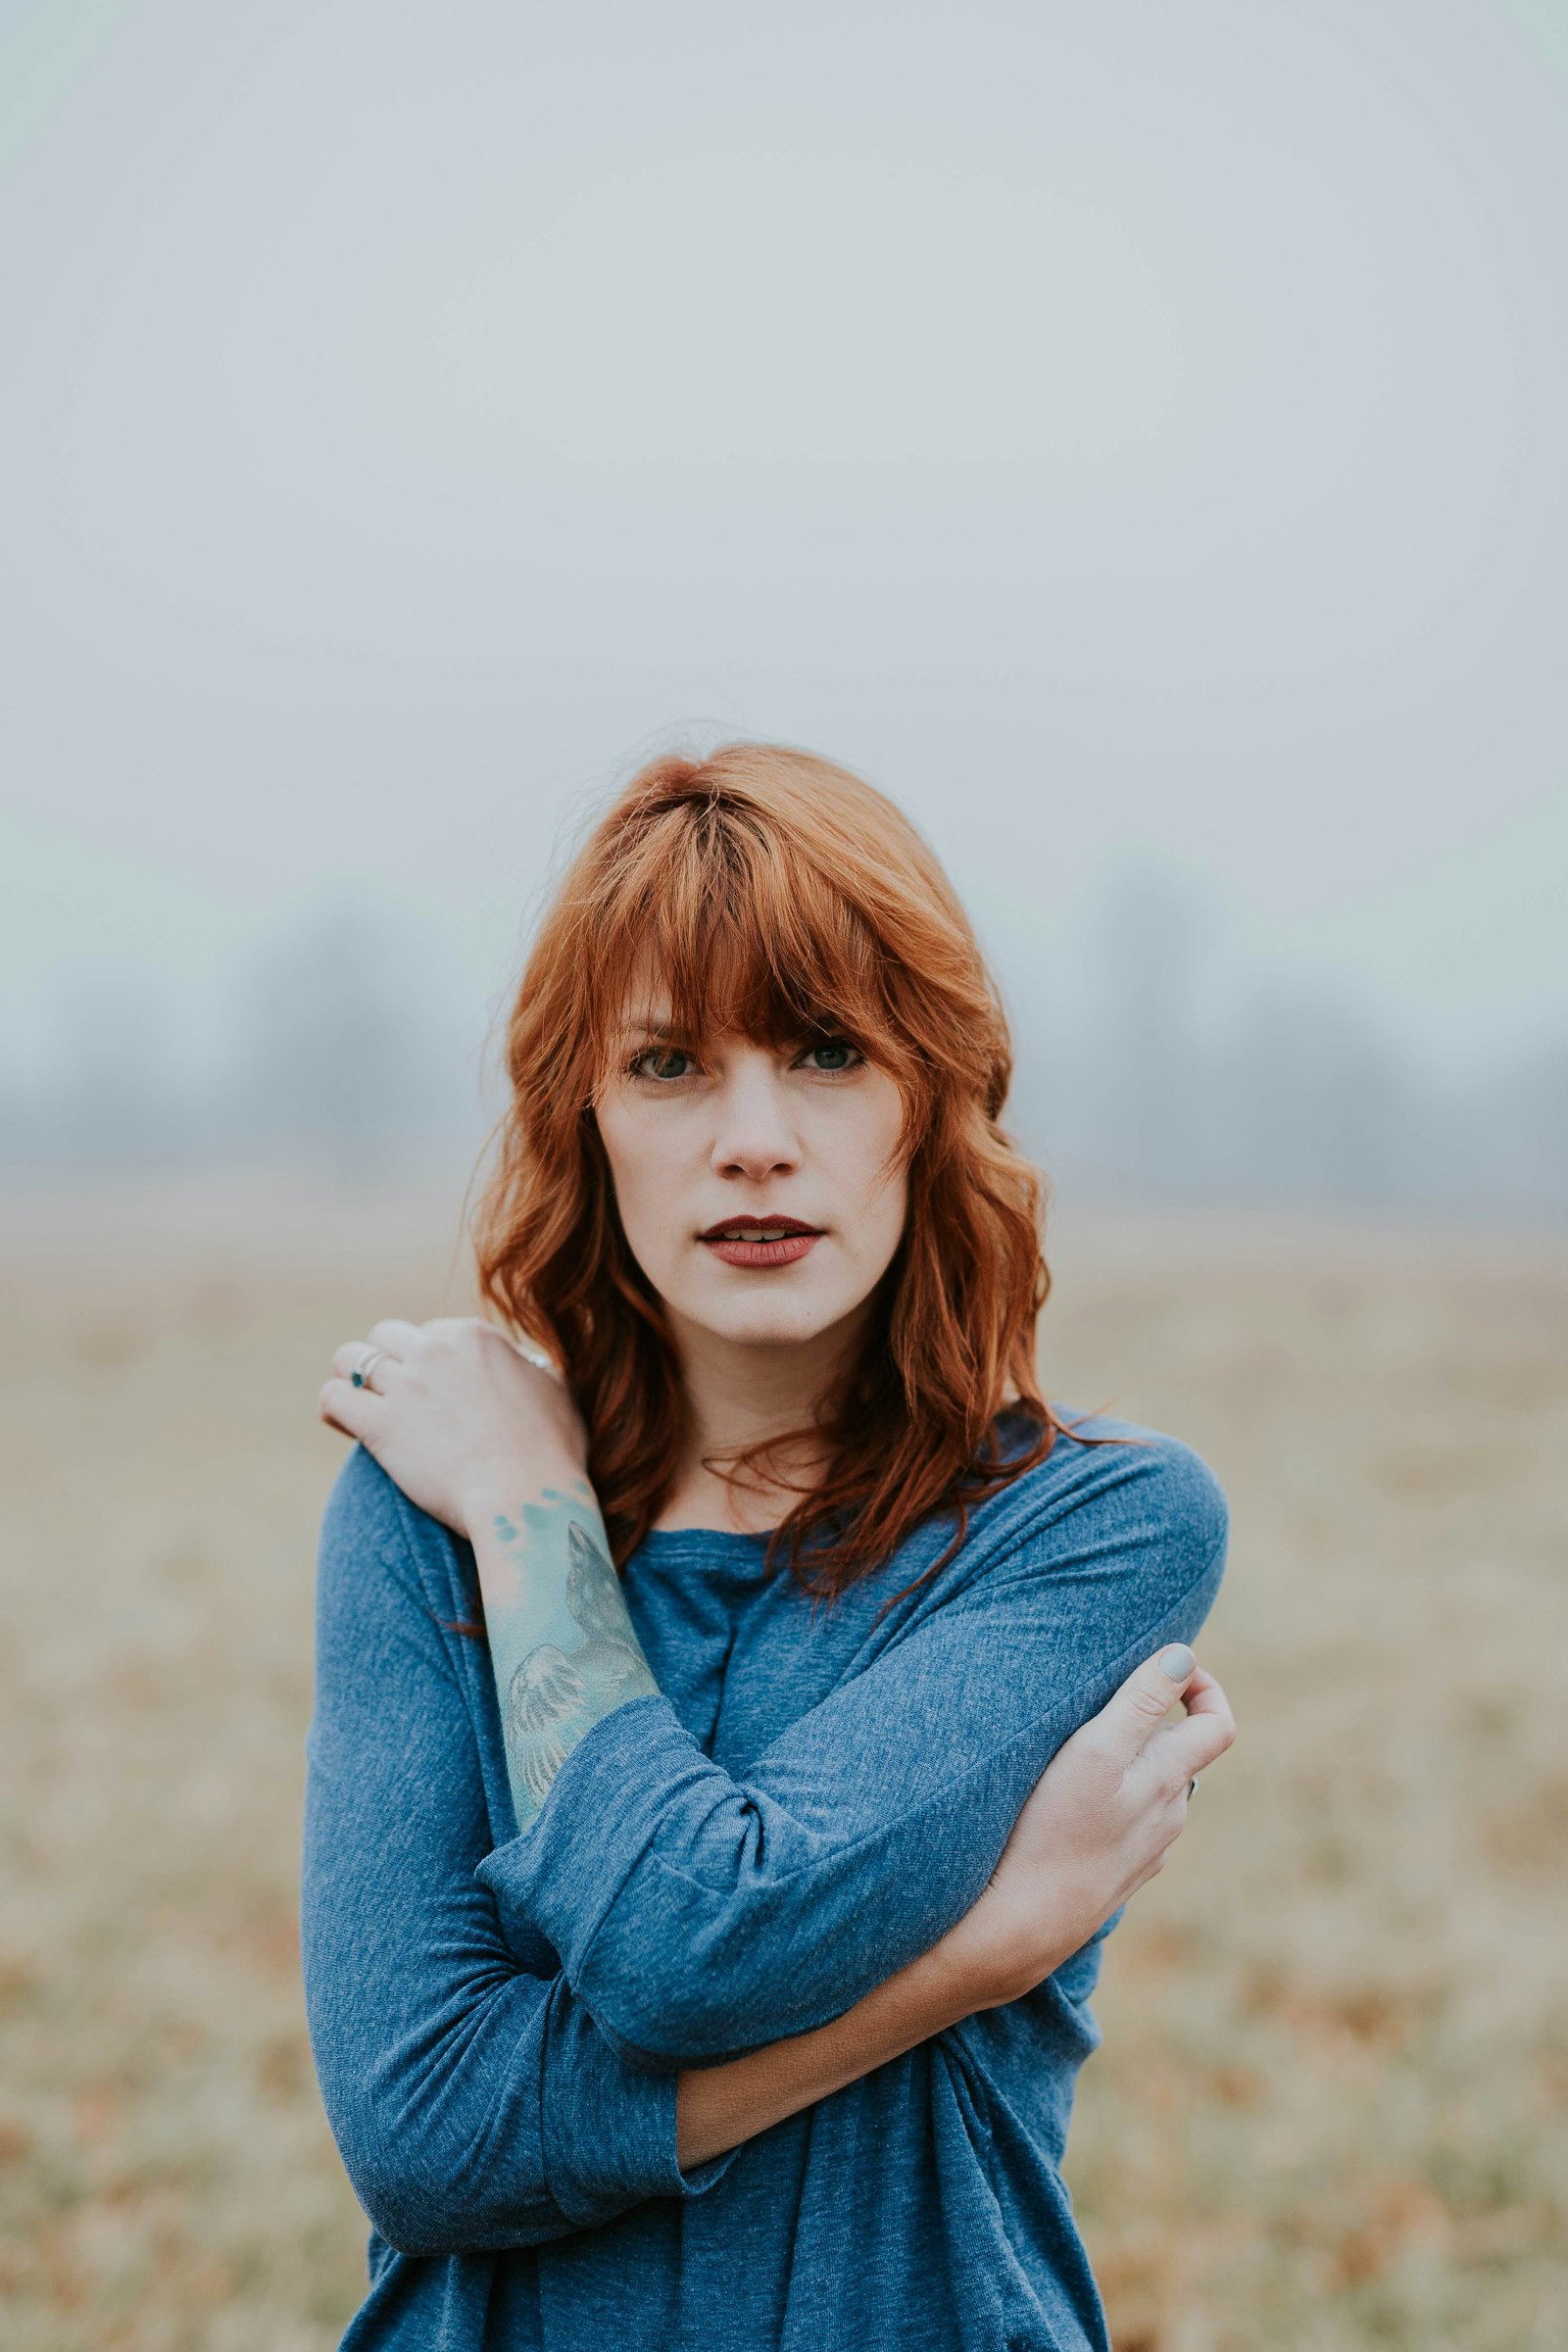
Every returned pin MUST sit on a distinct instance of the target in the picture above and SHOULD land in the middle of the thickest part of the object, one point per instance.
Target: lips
(761, 1241)
(754, 1228)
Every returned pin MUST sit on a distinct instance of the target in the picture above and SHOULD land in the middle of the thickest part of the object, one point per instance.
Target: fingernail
(1177, 1661)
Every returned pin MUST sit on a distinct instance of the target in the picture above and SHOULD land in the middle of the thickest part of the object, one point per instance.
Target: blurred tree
(1147, 1081)
(113, 1086)
(1319, 1105)
(353, 1036)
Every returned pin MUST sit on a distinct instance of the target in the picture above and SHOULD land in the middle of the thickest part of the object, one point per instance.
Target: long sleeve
(475, 2102)
(698, 1914)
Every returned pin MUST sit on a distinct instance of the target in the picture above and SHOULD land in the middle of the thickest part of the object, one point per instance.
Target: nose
(756, 1134)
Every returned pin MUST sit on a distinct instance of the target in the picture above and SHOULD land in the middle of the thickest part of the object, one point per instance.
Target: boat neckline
(703, 1535)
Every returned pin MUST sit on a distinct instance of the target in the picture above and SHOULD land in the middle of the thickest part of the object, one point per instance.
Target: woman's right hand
(1100, 1822)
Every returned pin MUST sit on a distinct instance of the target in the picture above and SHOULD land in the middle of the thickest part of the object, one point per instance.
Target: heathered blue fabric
(497, 2021)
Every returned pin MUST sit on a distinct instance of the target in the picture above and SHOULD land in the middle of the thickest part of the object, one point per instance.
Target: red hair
(778, 895)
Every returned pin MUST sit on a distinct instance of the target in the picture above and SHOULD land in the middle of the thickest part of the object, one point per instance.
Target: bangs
(711, 917)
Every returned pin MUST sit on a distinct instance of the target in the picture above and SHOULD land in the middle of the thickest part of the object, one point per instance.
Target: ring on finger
(369, 1359)
(1191, 1787)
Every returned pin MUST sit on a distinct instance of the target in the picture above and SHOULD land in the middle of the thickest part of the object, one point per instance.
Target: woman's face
(761, 1189)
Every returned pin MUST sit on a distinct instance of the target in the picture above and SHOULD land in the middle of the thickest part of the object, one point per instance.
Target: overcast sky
(1115, 429)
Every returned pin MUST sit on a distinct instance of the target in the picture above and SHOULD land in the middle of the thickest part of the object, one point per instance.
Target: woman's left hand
(456, 1414)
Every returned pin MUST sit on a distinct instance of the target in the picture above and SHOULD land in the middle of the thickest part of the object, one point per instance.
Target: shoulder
(390, 1604)
(1113, 1483)
(363, 1507)
(369, 1523)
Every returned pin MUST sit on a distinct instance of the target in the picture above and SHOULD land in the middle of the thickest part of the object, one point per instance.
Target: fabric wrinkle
(809, 1801)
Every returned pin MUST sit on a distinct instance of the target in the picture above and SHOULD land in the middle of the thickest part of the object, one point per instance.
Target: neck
(740, 1394)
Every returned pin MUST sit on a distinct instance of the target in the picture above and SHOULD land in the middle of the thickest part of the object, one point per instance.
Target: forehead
(656, 1018)
(713, 1002)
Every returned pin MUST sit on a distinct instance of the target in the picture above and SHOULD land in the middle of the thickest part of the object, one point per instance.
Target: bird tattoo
(556, 1695)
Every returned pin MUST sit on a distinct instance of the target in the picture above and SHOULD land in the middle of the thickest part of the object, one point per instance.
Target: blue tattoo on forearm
(561, 1644)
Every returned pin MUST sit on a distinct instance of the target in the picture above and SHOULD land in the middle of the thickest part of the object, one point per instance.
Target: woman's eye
(664, 1061)
(833, 1054)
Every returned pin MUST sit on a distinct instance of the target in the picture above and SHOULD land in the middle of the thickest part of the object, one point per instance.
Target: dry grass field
(1332, 2107)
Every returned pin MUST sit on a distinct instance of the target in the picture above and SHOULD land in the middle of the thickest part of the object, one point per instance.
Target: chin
(770, 1322)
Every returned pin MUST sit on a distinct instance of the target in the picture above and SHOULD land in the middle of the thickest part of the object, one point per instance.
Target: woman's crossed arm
(1099, 1824)
(451, 2056)
(476, 2100)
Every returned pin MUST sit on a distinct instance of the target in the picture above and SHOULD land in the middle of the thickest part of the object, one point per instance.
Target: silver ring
(1191, 1788)
(361, 1374)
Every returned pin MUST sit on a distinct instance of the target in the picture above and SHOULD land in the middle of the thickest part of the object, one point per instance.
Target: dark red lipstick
(749, 1241)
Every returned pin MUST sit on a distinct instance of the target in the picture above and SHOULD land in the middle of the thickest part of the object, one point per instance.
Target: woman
(697, 1946)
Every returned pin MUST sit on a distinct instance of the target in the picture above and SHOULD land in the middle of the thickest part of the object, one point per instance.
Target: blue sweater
(497, 2021)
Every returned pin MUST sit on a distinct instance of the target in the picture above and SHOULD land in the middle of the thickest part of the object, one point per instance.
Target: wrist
(1000, 1958)
(503, 1491)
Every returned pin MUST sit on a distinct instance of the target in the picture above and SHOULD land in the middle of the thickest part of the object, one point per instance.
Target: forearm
(699, 1913)
(562, 1646)
(477, 2102)
(718, 2106)
(564, 1653)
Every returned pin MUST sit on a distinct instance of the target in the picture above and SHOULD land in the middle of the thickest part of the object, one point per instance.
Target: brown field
(1332, 2106)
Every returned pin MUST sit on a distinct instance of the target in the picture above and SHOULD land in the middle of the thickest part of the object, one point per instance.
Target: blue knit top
(811, 1801)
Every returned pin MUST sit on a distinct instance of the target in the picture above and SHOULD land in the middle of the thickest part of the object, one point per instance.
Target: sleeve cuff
(601, 1815)
(610, 2140)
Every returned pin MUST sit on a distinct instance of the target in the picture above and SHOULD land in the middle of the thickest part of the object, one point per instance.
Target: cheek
(884, 1192)
(640, 1183)
(890, 1209)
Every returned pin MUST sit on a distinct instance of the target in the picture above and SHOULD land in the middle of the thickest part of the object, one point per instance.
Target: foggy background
(1130, 436)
